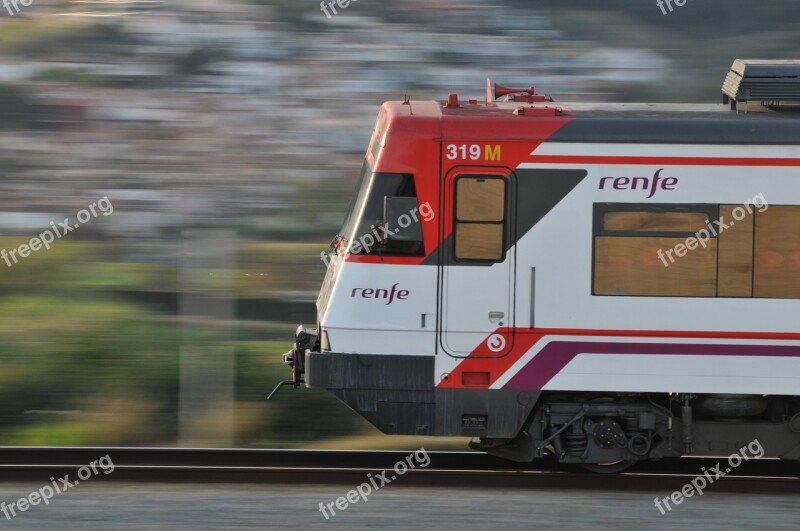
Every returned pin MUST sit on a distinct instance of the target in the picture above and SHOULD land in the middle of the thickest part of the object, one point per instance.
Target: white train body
(602, 282)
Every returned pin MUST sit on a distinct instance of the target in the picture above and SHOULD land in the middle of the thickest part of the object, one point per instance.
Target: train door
(478, 263)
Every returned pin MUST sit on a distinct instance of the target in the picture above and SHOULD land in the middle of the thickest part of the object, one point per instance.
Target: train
(600, 283)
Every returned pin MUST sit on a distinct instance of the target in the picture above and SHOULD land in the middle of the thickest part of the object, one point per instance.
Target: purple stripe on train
(556, 355)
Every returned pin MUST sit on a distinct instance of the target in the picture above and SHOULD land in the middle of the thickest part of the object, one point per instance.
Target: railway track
(466, 469)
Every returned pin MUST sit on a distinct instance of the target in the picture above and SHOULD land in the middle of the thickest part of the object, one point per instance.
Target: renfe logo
(380, 293)
(641, 183)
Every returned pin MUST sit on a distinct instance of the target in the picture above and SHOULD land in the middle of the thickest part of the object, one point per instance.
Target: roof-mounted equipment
(518, 95)
(770, 82)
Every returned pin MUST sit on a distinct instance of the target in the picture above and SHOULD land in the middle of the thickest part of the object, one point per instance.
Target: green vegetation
(17, 109)
(196, 61)
(40, 37)
(84, 371)
(62, 75)
(293, 12)
(80, 365)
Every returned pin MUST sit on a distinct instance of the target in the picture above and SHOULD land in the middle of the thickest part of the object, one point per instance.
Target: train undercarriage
(601, 431)
(608, 432)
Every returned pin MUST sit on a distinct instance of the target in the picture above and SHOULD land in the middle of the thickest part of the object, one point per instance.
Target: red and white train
(607, 283)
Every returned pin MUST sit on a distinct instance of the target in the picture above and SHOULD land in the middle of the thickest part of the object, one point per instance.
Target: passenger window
(630, 266)
(654, 221)
(480, 216)
(777, 253)
(696, 250)
(633, 251)
(735, 259)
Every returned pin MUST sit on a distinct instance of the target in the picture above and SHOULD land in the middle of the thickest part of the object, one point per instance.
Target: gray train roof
(679, 123)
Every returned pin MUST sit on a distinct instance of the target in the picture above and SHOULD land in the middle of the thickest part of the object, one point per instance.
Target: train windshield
(383, 217)
(357, 201)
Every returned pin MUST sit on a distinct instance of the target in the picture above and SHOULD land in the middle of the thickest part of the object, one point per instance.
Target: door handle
(496, 316)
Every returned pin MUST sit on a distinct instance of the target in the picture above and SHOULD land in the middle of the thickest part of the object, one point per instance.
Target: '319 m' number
(472, 152)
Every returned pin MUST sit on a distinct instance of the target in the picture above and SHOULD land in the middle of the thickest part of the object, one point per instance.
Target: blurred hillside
(228, 135)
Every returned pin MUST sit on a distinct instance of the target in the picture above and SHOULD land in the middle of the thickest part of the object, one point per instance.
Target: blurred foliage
(81, 365)
(196, 61)
(62, 75)
(699, 34)
(40, 37)
(295, 417)
(692, 18)
(291, 12)
(17, 109)
(86, 267)
(97, 370)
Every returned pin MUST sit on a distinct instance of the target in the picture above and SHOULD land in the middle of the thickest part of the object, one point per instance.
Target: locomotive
(605, 283)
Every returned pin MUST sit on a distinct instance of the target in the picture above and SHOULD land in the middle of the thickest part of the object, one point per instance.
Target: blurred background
(227, 135)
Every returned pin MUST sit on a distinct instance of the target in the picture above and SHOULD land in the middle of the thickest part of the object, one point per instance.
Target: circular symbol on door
(496, 342)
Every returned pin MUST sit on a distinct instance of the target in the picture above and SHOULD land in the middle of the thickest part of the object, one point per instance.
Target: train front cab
(416, 318)
(375, 339)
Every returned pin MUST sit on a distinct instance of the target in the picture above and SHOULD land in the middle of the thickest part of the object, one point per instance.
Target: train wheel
(614, 467)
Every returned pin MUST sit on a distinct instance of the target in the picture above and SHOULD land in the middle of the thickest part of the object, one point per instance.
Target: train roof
(610, 122)
(680, 123)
